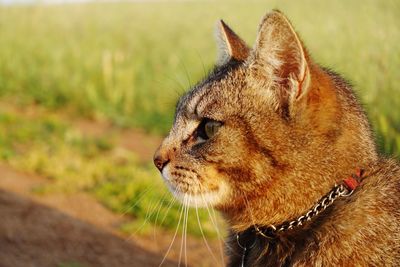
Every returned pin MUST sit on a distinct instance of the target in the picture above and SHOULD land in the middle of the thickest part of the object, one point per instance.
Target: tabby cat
(273, 141)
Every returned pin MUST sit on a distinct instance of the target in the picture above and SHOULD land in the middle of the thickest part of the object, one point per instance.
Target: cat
(272, 140)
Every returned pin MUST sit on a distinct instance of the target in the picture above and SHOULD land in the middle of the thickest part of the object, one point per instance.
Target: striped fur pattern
(290, 130)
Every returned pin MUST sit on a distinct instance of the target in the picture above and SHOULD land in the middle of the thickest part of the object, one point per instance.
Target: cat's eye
(211, 128)
(208, 128)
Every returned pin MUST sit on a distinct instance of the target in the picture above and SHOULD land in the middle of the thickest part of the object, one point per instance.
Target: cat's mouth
(189, 189)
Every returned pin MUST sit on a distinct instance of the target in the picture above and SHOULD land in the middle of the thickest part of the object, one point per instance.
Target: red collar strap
(354, 180)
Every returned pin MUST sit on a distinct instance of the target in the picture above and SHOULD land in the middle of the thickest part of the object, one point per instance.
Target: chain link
(336, 192)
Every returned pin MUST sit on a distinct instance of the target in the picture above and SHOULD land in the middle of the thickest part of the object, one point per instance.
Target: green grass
(49, 146)
(129, 62)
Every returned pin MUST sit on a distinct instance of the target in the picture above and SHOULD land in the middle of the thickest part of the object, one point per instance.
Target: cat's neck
(280, 201)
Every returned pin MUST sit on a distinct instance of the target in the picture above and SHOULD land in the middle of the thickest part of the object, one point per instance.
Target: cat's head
(262, 115)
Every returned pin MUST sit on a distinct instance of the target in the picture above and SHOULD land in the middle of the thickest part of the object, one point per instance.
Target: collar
(344, 189)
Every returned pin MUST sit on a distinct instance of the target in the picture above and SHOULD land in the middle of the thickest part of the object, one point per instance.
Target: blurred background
(88, 89)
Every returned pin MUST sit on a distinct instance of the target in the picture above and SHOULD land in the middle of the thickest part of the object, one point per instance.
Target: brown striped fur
(291, 130)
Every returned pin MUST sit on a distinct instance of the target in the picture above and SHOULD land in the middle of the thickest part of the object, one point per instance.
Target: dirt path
(32, 234)
(75, 230)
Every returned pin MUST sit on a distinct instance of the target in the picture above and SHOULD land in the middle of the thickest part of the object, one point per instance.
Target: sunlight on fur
(272, 141)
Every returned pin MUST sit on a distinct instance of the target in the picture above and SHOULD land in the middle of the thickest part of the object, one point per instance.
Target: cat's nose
(160, 160)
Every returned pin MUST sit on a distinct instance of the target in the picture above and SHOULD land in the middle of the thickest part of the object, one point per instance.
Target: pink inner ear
(280, 48)
(300, 87)
(291, 65)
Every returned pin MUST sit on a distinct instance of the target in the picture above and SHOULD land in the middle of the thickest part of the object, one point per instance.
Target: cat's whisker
(141, 196)
(202, 62)
(222, 243)
(173, 239)
(183, 228)
(157, 215)
(149, 211)
(167, 211)
(246, 203)
(138, 229)
(202, 232)
(171, 203)
(216, 229)
(186, 72)
(185, 234)
(174, 80)
(213, 220)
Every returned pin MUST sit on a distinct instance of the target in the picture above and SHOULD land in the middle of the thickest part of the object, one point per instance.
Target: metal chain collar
(336, 192)
(342, 190)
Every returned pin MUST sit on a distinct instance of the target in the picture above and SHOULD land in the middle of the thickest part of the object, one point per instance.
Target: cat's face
(225, 139)
(213, 148)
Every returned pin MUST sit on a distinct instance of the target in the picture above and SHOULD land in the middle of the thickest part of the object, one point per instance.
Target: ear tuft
(280, 62)
(280, 54)
(230, 45)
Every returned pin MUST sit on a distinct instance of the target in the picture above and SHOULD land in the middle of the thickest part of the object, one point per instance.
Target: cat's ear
(279, 54)
(230, 45)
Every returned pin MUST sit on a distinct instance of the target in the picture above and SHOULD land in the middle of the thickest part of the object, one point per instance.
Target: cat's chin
(198, 199)
(208, 199)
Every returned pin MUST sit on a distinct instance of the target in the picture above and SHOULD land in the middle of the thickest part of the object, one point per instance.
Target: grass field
(127, 63)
